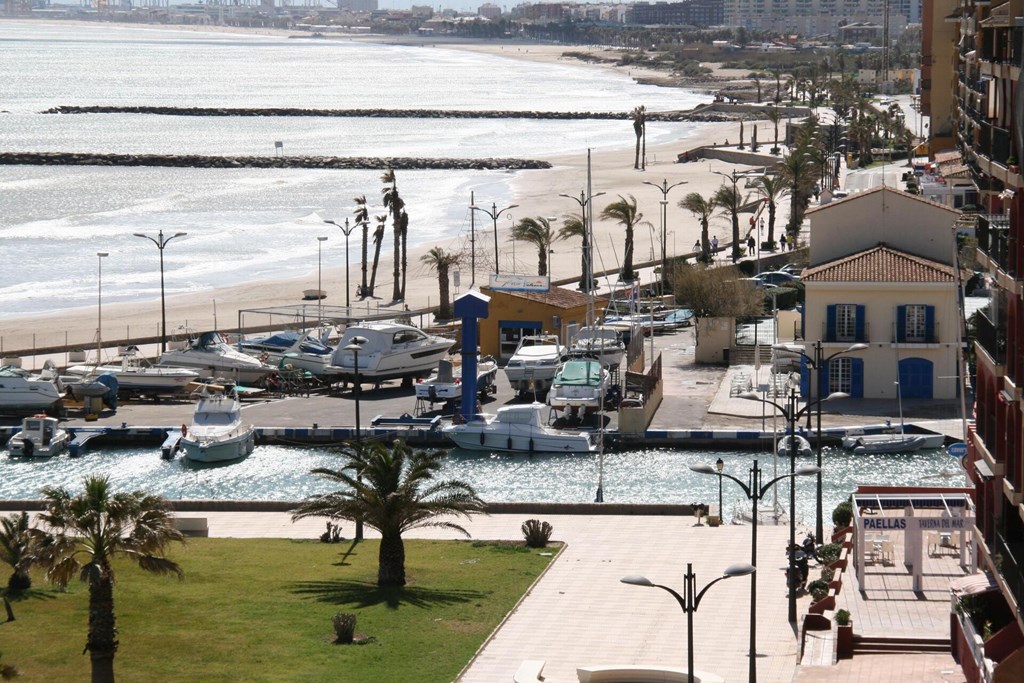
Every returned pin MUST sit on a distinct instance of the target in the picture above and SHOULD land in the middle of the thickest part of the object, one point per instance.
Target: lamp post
(494, 213)
(733, 178)
(664, 188)
(792, 416)
(588, 274)
(348, 231)
(355, 345)
(319, 286)
(817, 363)
(720, 465)
(691, 600)
(160, 243)
(755, 492)
(100, 255)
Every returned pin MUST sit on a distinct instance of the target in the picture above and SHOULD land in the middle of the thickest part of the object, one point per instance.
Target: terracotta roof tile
(880, 264)
(559, 297)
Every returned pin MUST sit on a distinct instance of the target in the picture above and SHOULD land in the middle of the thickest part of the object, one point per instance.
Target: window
(846, 322)
(915, 323)
(840, 375)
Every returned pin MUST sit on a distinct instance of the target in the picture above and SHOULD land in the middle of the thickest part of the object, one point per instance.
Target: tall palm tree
(774, 116)
(573, 227)
(703, 208)
(362, 214)
(771, 188)
(392, 489)
(404, 229)
(625, 212)
(730, 200)
(799, 171)
(378, 242)
(14, 551)
(640, 130)
(394, 204)
(538, 232)
(84, 533)
(441, 261)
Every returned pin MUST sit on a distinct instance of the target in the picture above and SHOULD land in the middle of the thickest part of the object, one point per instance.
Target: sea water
(248, 224)
(647, 476)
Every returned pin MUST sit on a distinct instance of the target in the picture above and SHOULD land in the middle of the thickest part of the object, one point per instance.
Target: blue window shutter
(901, 324)
(857, 377)
(860, 324)
(929, 324)
(830, 323)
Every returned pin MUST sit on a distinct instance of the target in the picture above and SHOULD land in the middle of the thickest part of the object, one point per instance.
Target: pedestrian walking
(714, 243)
(782, 241)
(751, 245)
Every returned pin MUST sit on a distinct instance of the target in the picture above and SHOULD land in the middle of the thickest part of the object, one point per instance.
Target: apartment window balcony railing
(994, 240)
(831, 335)
(1009, 560)
(990, 337)
(930, 337)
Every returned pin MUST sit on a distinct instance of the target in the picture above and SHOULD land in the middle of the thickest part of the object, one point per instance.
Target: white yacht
(533, 366)
(22, 392)
(579, 387)
(601, 342)
(445, 383)
(391, 351)
(40, 437)
(217, 432)
(893, 442)
(211, 356)
(302, 351)
(136, 376)
(518, 429)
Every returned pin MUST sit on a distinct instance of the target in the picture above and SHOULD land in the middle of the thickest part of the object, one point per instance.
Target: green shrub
(827, 574)
(843, 514)
(818, 590)
(344, 628)
(829, 553)
(536, 533)
(842, 617)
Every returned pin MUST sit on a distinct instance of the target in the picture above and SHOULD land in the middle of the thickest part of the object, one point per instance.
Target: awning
(981, 582)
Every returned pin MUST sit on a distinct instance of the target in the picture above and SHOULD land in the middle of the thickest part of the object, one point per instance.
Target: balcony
(990, 337)
(993, 234)
(1009, 560)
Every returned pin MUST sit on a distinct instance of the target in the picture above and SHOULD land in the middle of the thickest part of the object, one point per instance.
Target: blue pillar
(470, 307)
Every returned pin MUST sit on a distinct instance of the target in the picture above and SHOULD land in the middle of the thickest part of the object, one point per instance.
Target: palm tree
(441, 261)
(774, 116)
(85, 533)
(392, 489)
(14, 551)
(703, 209)
(538, 232)
(625, 212)
(394, 204)
(362, 213)
(730, 200)
(798, 171)
(640, 130)
(404, 229)
(772, 189)
(572, 227)
(378, 242)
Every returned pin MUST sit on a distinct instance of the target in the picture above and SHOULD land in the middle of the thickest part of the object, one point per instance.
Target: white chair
(888, 552)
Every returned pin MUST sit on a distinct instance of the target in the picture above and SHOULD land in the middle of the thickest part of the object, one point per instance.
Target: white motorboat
(535, 362)
(519, 429)
(895, 442)
(211, 356)
(40, 437)
(136, 376)
(445, 383)
(22, 392)
(579, 387)
(217, 432)
(302, 351)
(803, 447)
(392, 351)
(601, 342)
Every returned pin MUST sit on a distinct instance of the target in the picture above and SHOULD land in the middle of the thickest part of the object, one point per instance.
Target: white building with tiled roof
(881, 274)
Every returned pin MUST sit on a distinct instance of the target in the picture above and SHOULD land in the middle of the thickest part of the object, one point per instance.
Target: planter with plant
(818, 590)
(844, 634)
(536, 533)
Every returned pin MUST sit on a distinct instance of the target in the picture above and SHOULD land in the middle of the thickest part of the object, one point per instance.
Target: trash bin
(725, 356)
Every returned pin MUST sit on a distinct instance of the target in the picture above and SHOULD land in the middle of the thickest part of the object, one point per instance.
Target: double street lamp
(160, 241)
(588, 268)
(494, 213)
(817, 363)
(355, 345)
(348, 231)
(755, 491)
(664, 188)
(691, 600)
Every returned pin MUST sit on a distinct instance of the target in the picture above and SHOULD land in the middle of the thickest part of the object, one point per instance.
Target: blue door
(916, 378)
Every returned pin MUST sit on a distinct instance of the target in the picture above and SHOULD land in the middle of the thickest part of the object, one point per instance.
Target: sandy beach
(536, 192)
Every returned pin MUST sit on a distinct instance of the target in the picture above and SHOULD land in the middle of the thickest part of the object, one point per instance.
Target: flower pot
(844, 641)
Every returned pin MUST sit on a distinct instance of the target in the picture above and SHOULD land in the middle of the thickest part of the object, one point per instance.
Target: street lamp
(494, 213)
(664, 188)
(755, 492)
(691, 601)
(319, 286)
(588, 268)
(348, 231)
(733, 178)
(720, 465)
(100, 255)
(817, 363)
(355, 345)
(792, 416)
(160, 243)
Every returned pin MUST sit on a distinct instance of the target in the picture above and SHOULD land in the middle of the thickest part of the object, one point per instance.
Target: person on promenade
(782, 241)
(714, 243)
(751, 245)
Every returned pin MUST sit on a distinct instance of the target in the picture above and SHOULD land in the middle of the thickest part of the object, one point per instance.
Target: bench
(641, 674)
(529, 671)
(196, 527)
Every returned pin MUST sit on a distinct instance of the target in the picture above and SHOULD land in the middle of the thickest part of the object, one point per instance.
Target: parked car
(778, 278)
(791, 269)
(757, 282)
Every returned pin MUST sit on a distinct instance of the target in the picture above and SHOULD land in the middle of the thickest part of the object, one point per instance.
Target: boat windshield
(519, 417)
(580, 372)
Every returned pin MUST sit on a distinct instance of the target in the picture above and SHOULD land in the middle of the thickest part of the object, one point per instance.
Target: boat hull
(219, 449)
(503, 440)
(17, 446)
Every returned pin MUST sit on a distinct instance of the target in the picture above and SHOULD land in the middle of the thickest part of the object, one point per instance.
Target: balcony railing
(830, 335)
(994, 239)
(1009, 560)
(932, 338)
(990, 337)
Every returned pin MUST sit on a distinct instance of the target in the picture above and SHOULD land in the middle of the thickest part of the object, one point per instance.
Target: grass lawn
(260, 610)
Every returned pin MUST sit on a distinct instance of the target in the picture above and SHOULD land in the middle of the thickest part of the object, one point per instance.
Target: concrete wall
(712, 337)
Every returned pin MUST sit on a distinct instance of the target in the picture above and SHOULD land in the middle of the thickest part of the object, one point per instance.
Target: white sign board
(519, 283)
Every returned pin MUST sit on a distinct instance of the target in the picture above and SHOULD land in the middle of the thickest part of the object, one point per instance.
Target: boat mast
(472, 239)
(588, 229)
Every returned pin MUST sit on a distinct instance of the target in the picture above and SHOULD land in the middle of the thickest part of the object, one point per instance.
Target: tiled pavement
(918, 668)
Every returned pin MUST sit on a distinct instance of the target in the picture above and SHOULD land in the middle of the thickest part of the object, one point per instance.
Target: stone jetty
(200, 161)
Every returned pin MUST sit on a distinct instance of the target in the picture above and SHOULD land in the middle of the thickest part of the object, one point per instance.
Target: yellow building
(516, 314)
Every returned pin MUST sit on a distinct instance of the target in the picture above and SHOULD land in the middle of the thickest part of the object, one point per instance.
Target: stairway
(744, 355)
(884, 645)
